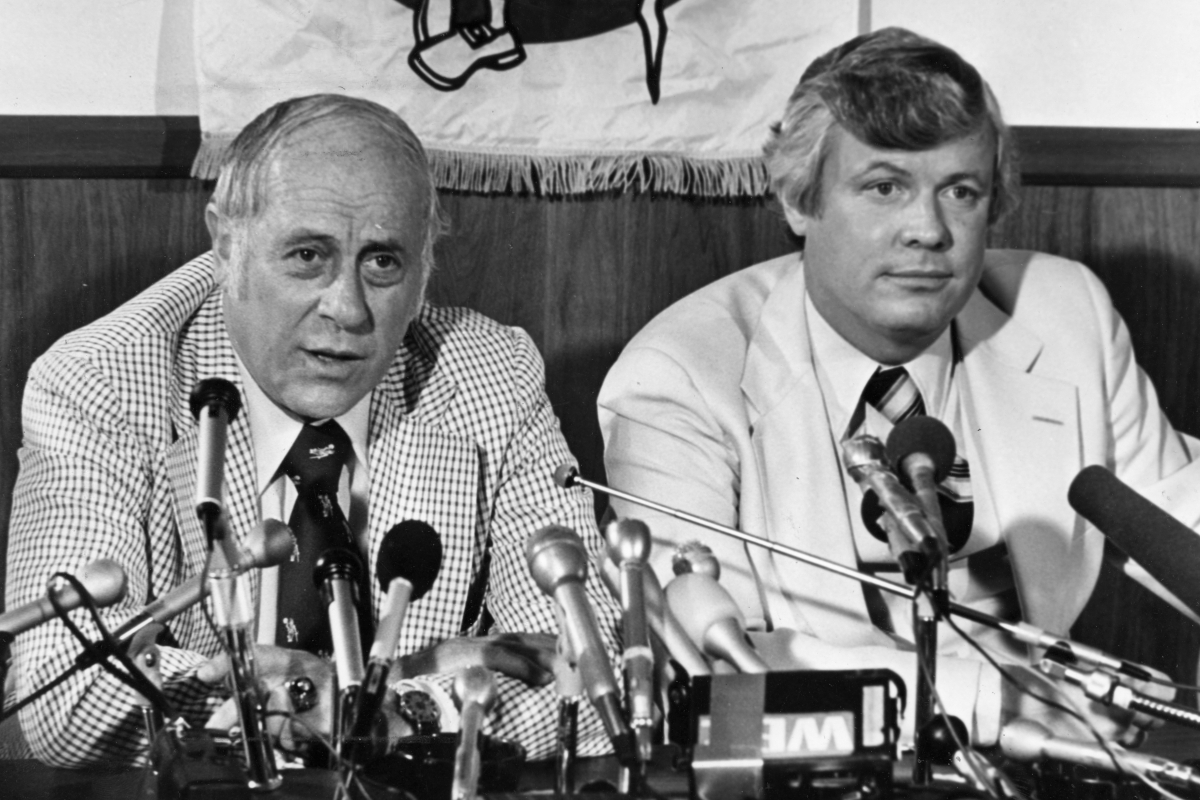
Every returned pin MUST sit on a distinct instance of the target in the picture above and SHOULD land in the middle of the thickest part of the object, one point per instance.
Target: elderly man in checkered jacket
(311, 304)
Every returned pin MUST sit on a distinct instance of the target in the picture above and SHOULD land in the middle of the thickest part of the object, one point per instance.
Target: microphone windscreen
(922, 435)
(215, 390)
(1165, 547)
(411, 550)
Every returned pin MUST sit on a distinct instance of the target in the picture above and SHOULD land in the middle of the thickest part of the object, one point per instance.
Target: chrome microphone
(558, 562)
(103, 579)
(695, 556)
(475, 690)
(921, 550)
(1026, 740)
(268, 544)
(629, 546)
(713, 621)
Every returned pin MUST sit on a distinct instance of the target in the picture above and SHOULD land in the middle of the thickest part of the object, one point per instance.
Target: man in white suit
(891, 162)
(312, 304)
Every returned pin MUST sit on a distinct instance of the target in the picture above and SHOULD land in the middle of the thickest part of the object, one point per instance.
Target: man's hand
(275, 667)
(528, 657)
(1111, 723)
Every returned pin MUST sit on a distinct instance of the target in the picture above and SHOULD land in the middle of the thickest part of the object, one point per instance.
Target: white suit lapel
(798, 461)
(1023, 429)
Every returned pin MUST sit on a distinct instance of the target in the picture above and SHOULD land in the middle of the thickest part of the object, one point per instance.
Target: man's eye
(883, 188)
(384, 262)
(964, 193)
(306, 254)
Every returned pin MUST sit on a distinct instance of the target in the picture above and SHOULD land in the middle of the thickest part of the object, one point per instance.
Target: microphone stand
(569, 686)
(233, 616)
(1063, 648)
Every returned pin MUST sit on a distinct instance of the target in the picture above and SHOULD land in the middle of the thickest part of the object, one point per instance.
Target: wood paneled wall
(582, 275)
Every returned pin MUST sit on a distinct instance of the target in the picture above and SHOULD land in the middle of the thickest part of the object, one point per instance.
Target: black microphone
(713, 620)
(1167, 549)
(409, 559)
(215, 404)
(1026, 740)
(921, 449)
(336, 575)
(920, 550)
(558, 562)
(103, 579)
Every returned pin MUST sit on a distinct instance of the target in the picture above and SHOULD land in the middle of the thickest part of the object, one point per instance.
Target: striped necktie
(894, 394)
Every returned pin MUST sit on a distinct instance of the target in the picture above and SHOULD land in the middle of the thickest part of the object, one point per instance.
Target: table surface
(31, 780)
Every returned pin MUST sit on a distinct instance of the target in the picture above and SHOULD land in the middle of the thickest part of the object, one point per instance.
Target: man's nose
(344, 301)
(925, 224)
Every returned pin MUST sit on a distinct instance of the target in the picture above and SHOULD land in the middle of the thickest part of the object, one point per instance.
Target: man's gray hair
(240, 194)
(890, 89)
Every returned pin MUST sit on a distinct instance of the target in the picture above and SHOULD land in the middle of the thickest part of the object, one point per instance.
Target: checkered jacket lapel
(407, 449)
(204, 351)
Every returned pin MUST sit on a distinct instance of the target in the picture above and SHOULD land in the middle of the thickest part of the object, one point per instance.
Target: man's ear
(221, 233)
(796, 219)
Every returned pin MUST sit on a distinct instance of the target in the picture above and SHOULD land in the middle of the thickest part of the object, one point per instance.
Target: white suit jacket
(714, 407)
(461, 435)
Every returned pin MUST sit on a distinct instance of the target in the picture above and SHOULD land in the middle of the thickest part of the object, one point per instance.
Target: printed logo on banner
(456, 38)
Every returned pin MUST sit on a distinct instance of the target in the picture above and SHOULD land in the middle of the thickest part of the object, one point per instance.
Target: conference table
(30, 780)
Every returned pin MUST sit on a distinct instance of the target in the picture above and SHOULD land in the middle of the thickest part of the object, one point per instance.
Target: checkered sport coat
(461, 436)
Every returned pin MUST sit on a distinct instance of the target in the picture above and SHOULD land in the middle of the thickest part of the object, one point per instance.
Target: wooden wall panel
(582, 275)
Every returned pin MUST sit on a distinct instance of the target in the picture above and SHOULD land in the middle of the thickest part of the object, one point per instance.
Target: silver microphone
(713, 621)
(103, 579)
(475, 690)
(558, 562)
(629, 547)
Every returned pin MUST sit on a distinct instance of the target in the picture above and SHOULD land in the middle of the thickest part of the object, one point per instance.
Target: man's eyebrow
(388, 245)
(305, 236)
(883, 164)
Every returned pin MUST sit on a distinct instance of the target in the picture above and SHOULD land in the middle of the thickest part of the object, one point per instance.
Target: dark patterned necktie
(895, 395)
(314, 465)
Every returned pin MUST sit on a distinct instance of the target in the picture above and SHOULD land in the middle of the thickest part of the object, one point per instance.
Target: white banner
(549, 96)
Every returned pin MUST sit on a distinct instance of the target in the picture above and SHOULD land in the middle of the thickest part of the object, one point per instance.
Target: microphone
(103, 579)
(922, 450)
(713, 621)
(695, 556)
(215, 403)
(865, 459)
(268, 544)
(1026, 740)
(336, 575)
(672, 634)
(558, 562)
(475, 690)
(408, 562)
(629, 546)
(1167, 549)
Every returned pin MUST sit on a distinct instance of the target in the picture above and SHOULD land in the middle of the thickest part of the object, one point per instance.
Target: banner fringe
(565, 174)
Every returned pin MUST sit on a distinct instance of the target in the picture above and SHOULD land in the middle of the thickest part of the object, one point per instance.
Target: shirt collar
(843, 370)
(273, 430)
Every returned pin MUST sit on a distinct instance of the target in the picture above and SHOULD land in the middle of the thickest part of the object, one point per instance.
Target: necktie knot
(894, 394)
(317, 456)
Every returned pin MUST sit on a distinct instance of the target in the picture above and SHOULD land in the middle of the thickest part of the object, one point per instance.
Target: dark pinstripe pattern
(461, 436)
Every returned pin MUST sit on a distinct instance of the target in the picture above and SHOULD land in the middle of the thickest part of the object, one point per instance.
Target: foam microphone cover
(922, 435)
(411, 550)
(1165, 547)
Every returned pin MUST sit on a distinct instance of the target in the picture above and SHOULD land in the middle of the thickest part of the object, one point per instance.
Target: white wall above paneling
(83, 57)
(1097, 63)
